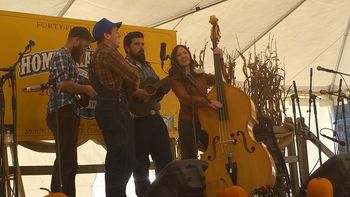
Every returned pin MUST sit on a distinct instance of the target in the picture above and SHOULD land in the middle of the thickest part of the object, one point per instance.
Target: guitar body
(152, 86)
(82, 99)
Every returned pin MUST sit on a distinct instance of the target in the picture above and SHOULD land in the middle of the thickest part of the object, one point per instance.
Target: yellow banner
(50, 34)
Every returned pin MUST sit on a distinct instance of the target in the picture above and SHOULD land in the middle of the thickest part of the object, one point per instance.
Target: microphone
(30, 44)
(341, 143)
(35, 88)
(327, 92)
(162, 53)
(326, 69)
(10, 69)
(334, 93)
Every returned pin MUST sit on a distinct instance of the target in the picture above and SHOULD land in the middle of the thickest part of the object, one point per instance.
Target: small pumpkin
(56, 194)
(233, 191)
(319, 187)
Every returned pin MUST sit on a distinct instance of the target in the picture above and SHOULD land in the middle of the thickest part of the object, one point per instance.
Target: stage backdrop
(49, 34)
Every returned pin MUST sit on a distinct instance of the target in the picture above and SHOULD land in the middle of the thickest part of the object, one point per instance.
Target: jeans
(151, 138)
(188, 146)
(68, 122)
(113, 118)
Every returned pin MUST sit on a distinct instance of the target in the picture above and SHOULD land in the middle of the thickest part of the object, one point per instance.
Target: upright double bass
(234, 157)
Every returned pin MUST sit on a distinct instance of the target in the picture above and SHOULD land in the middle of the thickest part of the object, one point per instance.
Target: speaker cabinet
(182, 178)
(337, 170)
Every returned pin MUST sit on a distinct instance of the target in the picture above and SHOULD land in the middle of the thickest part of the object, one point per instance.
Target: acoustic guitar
(154, 87)
(82, 99)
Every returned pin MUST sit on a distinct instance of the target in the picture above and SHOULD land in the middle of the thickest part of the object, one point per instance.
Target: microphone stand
(291, 152)
(312, 99)
(301, 143)
(2, 130)
(53, 84)
(336, 113)
(341, 99)
(337, 72)
(310, 95)
(192, 86)
(11, 75)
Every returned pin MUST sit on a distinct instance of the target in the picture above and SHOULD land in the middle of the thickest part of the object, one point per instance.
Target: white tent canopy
(308, 33)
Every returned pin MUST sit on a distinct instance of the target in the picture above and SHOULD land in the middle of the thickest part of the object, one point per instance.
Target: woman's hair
(175, 66)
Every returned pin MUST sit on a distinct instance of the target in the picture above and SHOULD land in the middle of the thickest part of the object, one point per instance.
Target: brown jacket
(183, 91)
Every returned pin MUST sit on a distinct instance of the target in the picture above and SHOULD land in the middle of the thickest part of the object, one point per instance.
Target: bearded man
(151, 133)
(63, 72)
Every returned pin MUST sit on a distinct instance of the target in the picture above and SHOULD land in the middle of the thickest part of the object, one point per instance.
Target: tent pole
(66, 7)
(340, 55)
(191, 11)
(269, 29)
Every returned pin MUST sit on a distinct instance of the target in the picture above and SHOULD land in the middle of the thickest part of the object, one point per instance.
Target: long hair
(175, 66)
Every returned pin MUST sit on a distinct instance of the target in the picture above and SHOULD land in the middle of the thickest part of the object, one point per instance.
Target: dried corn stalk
(264, 83)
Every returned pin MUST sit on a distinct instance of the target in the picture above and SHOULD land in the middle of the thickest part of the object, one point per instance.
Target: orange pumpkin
(56, 194)
(319, 187)
(233, 191)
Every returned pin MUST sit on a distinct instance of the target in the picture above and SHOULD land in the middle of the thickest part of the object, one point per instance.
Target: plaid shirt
(111, 69)
(62, 68)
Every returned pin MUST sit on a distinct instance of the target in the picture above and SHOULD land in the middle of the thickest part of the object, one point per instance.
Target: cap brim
(118, 24)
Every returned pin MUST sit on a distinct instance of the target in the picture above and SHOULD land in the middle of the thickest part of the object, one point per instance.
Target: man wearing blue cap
(112, 77)
(63, 71)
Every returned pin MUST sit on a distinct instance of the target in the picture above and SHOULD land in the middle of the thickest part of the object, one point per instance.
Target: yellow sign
(50, 34)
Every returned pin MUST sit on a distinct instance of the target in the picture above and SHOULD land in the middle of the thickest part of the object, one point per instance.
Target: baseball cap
(102, 27)
(81, 32)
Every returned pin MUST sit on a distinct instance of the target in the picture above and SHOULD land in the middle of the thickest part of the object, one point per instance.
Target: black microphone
(35, 88)
(162, 53)
(334, 93)
(10, 69)
(341, 143)
(30, 44)
(327, 92)
(325, 69)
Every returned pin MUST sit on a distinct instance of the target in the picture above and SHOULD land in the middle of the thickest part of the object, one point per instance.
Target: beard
(139, 56)
(77, 53)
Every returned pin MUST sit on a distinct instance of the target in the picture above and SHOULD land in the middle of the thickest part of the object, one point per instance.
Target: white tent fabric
(311, 35)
